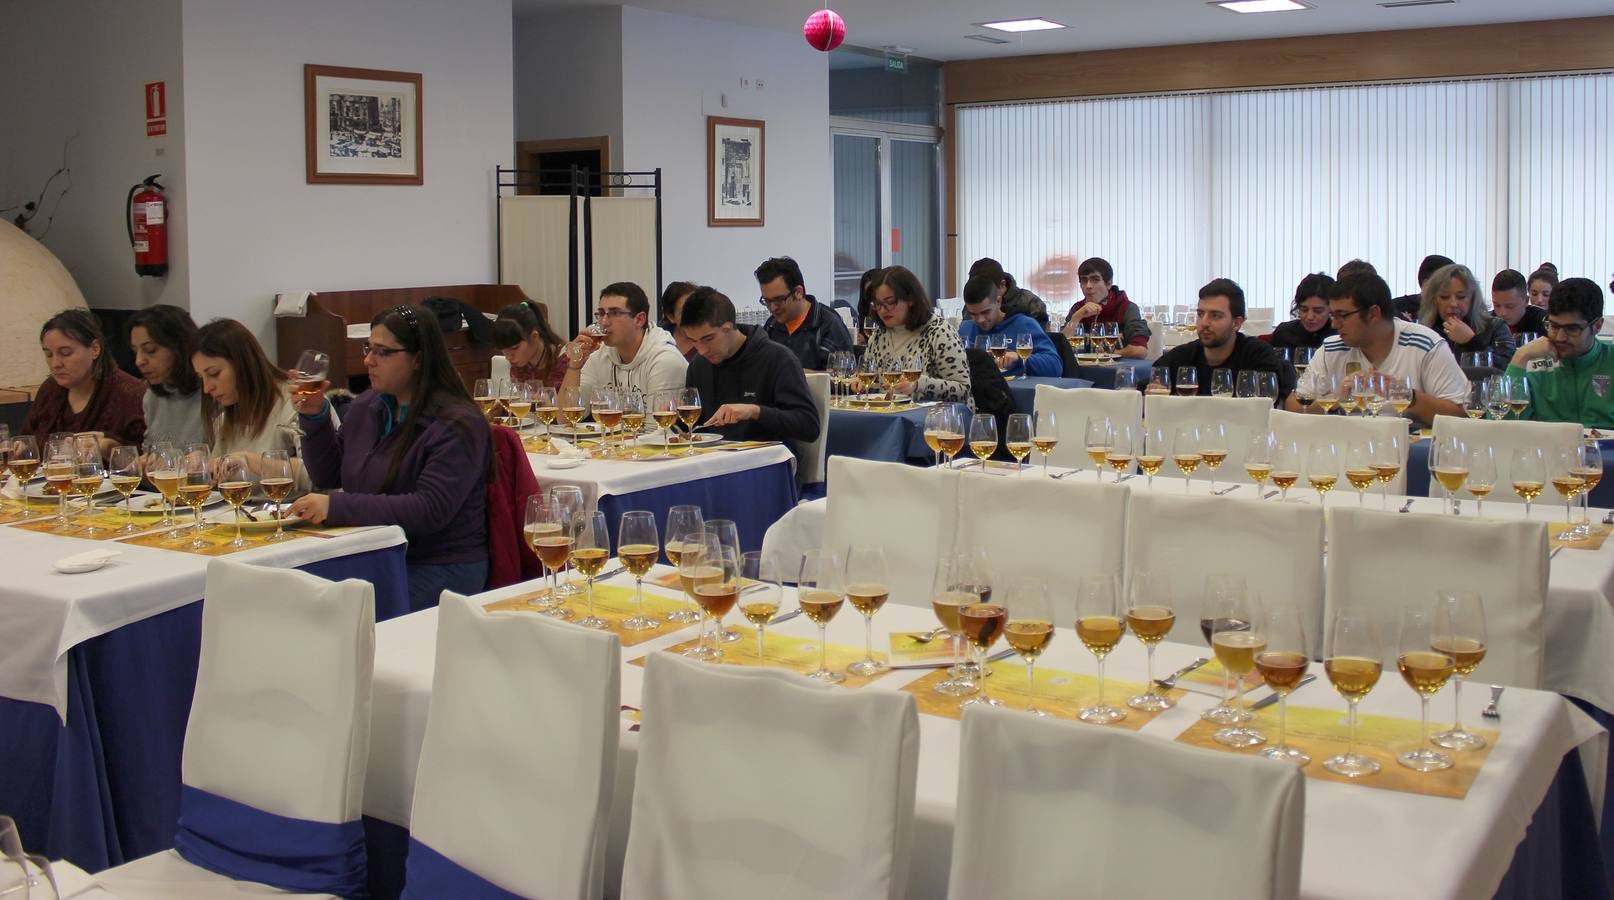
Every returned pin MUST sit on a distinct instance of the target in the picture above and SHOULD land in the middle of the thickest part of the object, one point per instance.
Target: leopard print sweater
(947, 370)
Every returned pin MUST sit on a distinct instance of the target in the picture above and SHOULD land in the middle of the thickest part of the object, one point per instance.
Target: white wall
(78, 70)
(258, 227)
(675, 71)
(568, 76)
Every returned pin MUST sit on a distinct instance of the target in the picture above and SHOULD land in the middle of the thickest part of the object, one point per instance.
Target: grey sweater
(173, 418)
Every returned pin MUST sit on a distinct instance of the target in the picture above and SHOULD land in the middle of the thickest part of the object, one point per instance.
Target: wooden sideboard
(325, 324)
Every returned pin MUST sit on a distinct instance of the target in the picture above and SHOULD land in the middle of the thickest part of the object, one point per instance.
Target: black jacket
(1291, 334)
(760, 372)
(821, 334)
(1248, 353)
(1534, 321)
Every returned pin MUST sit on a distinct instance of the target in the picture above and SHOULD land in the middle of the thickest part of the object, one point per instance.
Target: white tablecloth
(1360, 842)
(45, 614)
(605, 477)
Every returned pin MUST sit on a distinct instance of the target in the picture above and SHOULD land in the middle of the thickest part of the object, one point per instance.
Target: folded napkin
(87, 559)
(566, 449)
(292, 303)
(13, 489)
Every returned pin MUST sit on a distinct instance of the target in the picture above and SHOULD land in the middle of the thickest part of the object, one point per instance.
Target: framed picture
(362, 126)
(736, 150)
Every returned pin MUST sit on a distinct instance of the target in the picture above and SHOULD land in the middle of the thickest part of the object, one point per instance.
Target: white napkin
(292, 303)
(13, 489)
(88, 558)
(566, 449)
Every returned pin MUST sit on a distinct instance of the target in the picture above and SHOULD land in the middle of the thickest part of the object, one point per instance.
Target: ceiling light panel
(1015, 26)
(1260, 6)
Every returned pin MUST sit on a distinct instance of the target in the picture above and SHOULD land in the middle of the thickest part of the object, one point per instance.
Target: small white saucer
(561, 462)
(83, 562)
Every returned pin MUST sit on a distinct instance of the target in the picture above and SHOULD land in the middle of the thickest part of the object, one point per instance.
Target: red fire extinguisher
(147, 215)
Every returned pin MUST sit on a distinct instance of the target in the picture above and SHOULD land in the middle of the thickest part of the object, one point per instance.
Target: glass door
(887, 202)
(858, 216)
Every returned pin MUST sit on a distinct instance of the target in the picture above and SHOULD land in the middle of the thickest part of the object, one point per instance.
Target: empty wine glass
(867, 588)
(1459, 632)
(1221, 383)
(1150, 614)
(1591, 472)
(818, 591)
(1244, 384)
(1099, 625)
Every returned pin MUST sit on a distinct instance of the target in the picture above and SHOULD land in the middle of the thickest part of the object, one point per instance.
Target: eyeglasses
(379, 351)
(1340, 317)
(1567, 330)
(884, 305)
(783, 298)
(602, 314)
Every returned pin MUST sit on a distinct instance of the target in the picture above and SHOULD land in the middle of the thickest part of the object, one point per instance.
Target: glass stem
(1425, 744)
(1031, 684)
(760, 630)
(700, 642)
(1227, 687)
(238, 524)
(1457, 704)
(823, 646)
(1149, 685)
(1101, 682)
(1350, 742)
(1283, 720)
(1569, 512)
(1238, 703)
(638, 595)
(954, 639)
(591, 596)
(868, 639)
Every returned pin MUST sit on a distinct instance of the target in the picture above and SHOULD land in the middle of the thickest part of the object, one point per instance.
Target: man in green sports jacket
(1571, 372)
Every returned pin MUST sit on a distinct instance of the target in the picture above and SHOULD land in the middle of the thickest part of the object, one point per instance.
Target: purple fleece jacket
(439, 498)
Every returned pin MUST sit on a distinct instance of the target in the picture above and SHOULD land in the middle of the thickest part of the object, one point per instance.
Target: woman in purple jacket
(412, 451)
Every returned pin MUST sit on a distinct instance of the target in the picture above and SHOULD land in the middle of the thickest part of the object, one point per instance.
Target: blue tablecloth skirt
(1025, 389)
(880, 436)
(1418, 484)
(754, 499)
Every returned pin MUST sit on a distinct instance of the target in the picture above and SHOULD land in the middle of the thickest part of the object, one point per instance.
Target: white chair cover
(1503, 438)
(1392, 560)
(519, 759)
(1305, 428)
(910, 511)
(1048, 808)
(1026, 525)
(1277, 547)
(1240, 418)
(1073, 406)
(281, 716)
(810, 456)
(757, 783)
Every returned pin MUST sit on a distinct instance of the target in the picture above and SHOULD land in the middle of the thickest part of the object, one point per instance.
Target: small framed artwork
(736, 150)
(362, 126)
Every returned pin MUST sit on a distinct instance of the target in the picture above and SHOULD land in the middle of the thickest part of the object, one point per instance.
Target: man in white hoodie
(629, 356)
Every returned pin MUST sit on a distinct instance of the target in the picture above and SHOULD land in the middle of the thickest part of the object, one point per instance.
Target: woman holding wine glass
(247, 403)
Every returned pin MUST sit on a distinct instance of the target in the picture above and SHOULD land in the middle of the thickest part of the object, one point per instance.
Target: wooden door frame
(527, 152)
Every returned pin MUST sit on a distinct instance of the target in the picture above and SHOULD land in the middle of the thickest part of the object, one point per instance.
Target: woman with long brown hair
(246, 402)
(536, 353)
(85, 391)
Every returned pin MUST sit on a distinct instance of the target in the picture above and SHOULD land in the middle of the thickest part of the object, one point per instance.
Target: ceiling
(936, 28)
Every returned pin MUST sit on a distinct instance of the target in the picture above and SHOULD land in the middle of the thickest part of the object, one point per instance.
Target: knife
(1272, 698)
(947, 663)
(611, 574)
(785, 617)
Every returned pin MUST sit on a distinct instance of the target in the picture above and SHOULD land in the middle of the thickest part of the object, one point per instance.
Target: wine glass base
(239, 542)
(1351, 765)
(558, 612)
(640, 623)
(1102, 715)
(1424, 760)
(1226, 715)
(571, 590)
(980, 700)
(1457, 739)
(1239, 737)
(1287, 754)
(684, 617)
(967, 670)
(709, 654)
(1037, 713)
(956, 687)
(278, 536)
(825, 676)
(594, 622)
(1150, 702)
(727, 636)
(867, 667)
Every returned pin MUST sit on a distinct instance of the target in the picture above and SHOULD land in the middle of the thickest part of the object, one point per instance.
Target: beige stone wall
(33, 286)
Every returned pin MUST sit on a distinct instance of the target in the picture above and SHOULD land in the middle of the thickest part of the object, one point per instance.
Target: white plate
(69, 568)
(660, 440)
(266, 520)
(560, 462)
(583, 429)
(150, 503)
(36, 490)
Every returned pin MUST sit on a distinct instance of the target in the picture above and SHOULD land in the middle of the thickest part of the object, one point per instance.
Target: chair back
(1277, 547)
(513, 800)
(910, 511)
(1503, 437)
(1074, 406)
(1305, 428)
(814, 797)
(1394, 560)
(810, 455)
(1030, 823)
(1240, 418)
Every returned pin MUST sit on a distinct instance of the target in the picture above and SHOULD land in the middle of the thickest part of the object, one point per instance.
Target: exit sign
(894, 63)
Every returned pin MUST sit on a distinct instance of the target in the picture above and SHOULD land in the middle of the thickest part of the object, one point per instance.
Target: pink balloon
(824, 30)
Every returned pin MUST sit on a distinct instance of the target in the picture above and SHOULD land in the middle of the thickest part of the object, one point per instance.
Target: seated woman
(672, 311)
(1310, 324)
(86, 391)
(413, 451)
(246, 407)
(1542, 283)
(910, 327)
(1453, 305)
(163, 339)
(536, 352)
(1105, 304)
(865, 307)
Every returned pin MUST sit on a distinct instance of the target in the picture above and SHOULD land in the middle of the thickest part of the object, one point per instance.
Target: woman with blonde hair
(246, 402)
(1453, 305)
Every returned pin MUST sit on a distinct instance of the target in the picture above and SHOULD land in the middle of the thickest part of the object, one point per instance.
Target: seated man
(1407, 306)
(1104, 304)
(1372, 339)
(1511, 305)
(1571, 372)
(1014, 298)
(984, 316)
(1222, 346)
(752, 389)
(621, 351)
(797, 321)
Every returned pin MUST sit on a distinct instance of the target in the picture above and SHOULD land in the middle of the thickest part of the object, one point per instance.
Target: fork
(1407, 506)
(1227, 490)
(930, 635)
(1170, 681)
(1490, 711)
(1058, 475)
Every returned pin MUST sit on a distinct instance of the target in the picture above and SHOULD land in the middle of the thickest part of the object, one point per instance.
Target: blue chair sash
(430, 875)
(231, 838)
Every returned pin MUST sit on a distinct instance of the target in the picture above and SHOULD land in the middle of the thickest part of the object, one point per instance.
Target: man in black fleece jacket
(752, 389)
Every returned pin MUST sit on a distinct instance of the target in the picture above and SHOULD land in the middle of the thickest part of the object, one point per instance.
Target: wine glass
(1152, 452)
(22, 461)
(1481, 476)
(313, 368)
(1426, 671)
(1591, 471)
(88, 474)
(550, 538)
(1287, 461)
(591, 547)
(1567, 482)
(759, 597)
(1460, 634)
(1221, 383)
(123, 466)
(1044, 435)
(664, 412)
(519, 403)
(951, 591)
(1303, 357)
(61, 464)
(867, 588)
(1213, 447)
(1150, 615)
(1322, 468)
(1448, 462)
(1266, 385)
(1258, 459)
(1496, 399)
(1326, 385)
(570, 499)
(1185, 454)
(1100, 625)
(1479, 394)
(1282, 664)
(1528, 472)
(703, 574)
(684, 522)
(636, 546)
(33, 877)
(1359, 469)
(277, 480)
(482, 392)
(1223, 606)
(1097, 442)
(1244, 385)
(162, 470)
(1024, 346)
(195, 484)
(982, 623)
(1159, 380)
(1353, 661)
(1386, 465)
(1237, 639)
(728, 534)
(1187, 383)
(689, 409)
(1017, 438)
(983, 436)
(818, 591)
(235, 486)
(1029, 628)
(1518, 393)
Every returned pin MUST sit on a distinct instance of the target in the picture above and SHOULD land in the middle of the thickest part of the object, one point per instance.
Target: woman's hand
(312, 404)
(1457, 331)
(312, 508)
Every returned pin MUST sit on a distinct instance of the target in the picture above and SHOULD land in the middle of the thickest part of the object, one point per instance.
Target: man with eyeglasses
(1571, 372)
(1371, 339)
(796, 320)
(620, 352)
(751, 388)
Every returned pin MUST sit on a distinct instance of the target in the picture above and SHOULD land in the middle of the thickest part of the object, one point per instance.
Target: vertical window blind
(1266, 186)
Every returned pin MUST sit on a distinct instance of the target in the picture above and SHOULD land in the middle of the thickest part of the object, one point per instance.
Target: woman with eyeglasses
(908, 327)
(412, 451)
(246, 401)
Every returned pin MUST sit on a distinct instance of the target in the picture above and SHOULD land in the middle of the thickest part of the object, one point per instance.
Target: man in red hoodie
(1103, 303)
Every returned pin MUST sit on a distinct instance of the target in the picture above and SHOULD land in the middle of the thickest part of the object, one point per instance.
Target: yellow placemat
(613, 603)
(798, 654)
(876, 409)
(906, 651)
(217, 538)
(1555, 532)
(1060, 694)
(1323, 733)
(107, 520)
(13, 511)
(1211, 675)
